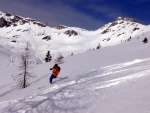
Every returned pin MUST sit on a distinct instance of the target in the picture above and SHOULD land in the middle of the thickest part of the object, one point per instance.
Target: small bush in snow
(145, 40)
(99, 46)
(59, 59)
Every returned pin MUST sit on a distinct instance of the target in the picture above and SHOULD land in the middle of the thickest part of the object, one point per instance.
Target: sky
(86, 14)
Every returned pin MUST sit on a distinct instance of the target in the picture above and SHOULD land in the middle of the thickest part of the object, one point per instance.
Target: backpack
(59, 68)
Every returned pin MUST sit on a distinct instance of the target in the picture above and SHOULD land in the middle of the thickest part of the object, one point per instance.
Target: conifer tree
(48, 57)
(145, 40)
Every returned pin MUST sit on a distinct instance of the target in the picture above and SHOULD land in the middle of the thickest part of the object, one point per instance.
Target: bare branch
(23, 77)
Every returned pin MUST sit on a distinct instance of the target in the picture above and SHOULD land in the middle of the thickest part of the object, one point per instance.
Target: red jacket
(55, 71)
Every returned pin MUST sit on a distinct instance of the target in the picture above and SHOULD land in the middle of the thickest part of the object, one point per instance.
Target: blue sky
(87, 14)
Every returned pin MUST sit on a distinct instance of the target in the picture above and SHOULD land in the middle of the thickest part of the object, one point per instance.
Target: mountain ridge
(16, 31)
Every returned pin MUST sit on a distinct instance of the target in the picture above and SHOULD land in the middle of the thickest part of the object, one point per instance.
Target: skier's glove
(50, 68)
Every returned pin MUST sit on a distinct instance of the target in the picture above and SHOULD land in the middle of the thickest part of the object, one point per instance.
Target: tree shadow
(1, 87)
(6, 92)
(65, 99)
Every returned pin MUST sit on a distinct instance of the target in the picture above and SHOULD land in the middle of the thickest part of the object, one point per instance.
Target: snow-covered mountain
(15, 31)
(113, 79)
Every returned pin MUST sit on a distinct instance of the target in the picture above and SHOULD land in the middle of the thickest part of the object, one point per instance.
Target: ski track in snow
(78, 90)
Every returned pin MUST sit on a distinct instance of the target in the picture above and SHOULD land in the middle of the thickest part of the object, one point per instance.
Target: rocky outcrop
(47, 38)
(71, 33)
(60, 27)
(3, 22)
(128, 19)
(120, 21)
(8, 19)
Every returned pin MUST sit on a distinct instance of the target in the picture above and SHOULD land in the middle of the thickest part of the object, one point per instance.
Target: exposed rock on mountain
(47, 38)
(8, 19)
(3, 22)
(128, 19)
(71, 33)
(61, 27)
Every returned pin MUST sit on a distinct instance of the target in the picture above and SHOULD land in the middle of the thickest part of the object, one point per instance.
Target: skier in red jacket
(55, 71)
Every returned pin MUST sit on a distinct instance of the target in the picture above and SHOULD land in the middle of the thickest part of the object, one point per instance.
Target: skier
(55, 71)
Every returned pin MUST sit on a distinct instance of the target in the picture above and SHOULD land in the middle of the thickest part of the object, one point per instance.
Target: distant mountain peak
(128, 19)
(8, 19)
(61, 27)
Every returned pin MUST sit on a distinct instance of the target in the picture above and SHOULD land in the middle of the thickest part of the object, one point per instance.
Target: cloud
(106, 10)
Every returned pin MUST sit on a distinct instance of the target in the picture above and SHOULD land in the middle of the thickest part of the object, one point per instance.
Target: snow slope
(109, 80)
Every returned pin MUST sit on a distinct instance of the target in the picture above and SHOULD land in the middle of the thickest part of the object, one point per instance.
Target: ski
(59, 79)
